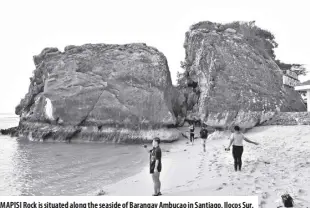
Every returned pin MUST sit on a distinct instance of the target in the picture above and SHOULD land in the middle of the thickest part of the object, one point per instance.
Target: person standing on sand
(192, 133)
(236, 139)
(155, 165)
(204, 135)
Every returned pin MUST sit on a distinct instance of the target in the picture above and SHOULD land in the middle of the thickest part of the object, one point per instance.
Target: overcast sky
(29, 26)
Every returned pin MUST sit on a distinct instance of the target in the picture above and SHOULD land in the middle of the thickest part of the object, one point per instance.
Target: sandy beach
(280, 164)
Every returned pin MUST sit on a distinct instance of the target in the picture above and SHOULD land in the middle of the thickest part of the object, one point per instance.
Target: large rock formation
(231, 80)
(99, 92)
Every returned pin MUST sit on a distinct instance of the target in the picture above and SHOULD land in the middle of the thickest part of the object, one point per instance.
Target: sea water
(38, 168)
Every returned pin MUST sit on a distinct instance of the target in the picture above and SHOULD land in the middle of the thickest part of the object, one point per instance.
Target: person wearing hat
(155, 165)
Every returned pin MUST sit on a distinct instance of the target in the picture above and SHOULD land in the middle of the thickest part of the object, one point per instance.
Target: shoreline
(280, 164)
(36, 131)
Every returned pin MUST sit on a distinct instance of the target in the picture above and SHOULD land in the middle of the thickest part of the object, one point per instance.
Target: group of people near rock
(236, 141)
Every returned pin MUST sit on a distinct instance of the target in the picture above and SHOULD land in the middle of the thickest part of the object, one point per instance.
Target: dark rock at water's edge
(99, 92)
(38, 131)
(231, 78)
(13, 131)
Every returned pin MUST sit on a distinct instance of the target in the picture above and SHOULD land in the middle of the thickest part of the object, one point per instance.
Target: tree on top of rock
(263, 40)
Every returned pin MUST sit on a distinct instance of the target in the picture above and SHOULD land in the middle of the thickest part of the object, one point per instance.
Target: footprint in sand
(284, 177)
(301, 191)
(249, 176)
(219, 188)
(248, 184)
(262, 203)
(265, 195)
(219, 166)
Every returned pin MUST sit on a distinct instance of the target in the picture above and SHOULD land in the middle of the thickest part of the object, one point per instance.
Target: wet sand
(280, 164)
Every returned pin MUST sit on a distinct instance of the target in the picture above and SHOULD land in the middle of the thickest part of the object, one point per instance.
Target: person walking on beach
(192, 133)
(204, 135)
(236, 139)
(155, 165)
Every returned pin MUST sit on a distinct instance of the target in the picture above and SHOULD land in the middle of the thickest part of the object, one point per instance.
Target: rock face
(98, 89)
(230, 81)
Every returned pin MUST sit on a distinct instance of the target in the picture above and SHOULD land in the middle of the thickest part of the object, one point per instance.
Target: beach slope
(280, 164)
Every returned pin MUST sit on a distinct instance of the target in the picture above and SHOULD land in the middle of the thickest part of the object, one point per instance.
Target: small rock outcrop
(10, 131)
(231, 79)
(289, 119)
(99, 92)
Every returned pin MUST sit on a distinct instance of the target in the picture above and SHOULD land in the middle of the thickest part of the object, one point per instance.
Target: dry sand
(280, 164)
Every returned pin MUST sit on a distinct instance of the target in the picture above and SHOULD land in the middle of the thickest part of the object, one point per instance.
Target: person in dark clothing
(237, 155)
(236, 139)
(155, 165)
(192, 133)
(204, 135)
